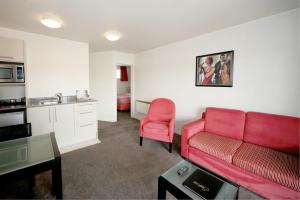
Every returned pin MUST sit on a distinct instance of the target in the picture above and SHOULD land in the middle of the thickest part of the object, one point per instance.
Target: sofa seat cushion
(157, 127)
(215, 145)
(279, 167)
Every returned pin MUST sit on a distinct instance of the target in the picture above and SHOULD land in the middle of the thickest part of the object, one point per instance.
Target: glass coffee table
(25, 157)
(172, 182)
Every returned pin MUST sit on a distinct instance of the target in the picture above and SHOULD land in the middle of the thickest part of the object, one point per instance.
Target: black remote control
(182, 170)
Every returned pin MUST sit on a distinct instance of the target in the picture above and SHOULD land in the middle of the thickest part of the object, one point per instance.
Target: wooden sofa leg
(141, 141)
(170, 147)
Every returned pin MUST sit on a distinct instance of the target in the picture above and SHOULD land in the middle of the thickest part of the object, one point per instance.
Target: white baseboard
(79, 145)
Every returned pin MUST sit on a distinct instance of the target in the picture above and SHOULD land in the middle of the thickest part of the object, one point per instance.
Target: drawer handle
(86, 125)
(49, 115)
(85, 112)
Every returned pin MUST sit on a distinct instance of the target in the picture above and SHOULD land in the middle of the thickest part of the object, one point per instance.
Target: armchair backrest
(15, 132)
(161, 110)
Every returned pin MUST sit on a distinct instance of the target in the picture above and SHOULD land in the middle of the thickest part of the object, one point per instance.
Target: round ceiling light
(112, 35)
(51, 23)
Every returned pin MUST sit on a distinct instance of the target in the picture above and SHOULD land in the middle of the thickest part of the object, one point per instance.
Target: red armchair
(159, 122)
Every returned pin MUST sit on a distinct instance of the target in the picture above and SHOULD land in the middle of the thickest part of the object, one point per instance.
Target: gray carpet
(118, 168)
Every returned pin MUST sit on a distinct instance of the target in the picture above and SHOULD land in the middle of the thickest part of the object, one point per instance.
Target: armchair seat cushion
(156, 127)
(215, 145)
(277, 166)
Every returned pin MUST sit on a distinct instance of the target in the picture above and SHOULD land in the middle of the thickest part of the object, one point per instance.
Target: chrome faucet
(59, 97)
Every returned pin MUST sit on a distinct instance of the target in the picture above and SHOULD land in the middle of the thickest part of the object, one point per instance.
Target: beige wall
(265, 74)
(52, 64)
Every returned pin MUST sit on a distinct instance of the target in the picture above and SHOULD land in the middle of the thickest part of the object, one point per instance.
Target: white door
(63, 116)
(41, 119)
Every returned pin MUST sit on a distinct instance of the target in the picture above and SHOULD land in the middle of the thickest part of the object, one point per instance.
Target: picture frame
(215, 70)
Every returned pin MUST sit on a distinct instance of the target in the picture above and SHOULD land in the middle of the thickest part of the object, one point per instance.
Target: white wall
(52, 64)
(103, 81)
(265, 78)
(12, 92)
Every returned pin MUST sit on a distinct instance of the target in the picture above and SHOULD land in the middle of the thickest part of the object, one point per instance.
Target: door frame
(131, 88)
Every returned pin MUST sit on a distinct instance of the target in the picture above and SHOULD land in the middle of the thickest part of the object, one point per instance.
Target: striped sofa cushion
(215, 145)
(279, 167)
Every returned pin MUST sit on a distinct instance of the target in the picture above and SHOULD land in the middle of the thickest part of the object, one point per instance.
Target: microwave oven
(12, 72)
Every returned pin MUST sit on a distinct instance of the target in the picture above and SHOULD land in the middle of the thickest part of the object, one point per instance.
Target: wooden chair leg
(141, 141)
(170, 147)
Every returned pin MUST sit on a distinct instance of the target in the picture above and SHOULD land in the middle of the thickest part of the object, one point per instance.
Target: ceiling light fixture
(51, 23)
(112, 35)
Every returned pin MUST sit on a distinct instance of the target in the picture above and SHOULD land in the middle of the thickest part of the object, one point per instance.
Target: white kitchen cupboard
(12, 50)
(85, 121)
(72, 123)
(41, 119)
(63, 124)
(57, 119)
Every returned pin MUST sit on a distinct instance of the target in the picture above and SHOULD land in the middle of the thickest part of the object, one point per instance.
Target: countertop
(36, 102)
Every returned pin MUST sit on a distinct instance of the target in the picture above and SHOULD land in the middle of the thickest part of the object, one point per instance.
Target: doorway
(124, 96)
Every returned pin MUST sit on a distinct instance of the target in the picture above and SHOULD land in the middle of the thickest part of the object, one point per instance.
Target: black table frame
(164, 185)
(54, 165)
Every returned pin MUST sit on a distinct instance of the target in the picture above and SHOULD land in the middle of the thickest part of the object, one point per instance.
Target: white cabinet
(11, 50)
(57, 119)
(63, 124)
(86, 121)
(41, 119)
(71, 123)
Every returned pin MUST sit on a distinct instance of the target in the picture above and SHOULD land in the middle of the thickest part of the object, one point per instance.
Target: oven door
(12, 118)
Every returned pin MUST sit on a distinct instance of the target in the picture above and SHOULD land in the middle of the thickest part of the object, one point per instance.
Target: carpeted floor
(117, 168)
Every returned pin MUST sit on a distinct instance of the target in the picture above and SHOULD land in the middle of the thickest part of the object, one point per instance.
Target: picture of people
(215, 69)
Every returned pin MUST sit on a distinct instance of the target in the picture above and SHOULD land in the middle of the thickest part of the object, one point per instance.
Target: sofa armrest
(143, 121)
(188, 130)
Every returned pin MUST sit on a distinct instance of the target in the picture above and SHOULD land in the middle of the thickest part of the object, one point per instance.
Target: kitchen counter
(73, 121)
(12, 108)
(37, 102)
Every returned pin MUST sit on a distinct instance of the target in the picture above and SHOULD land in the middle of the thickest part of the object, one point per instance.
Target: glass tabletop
(227, 191)
(25, 152)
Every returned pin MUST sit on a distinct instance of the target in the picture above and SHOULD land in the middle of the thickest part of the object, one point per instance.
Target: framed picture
(215, 70)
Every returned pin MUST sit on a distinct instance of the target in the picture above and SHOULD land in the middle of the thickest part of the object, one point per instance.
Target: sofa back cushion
(225, 122)
(274, 131)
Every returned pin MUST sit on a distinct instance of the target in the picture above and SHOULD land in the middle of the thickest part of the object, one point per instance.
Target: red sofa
(258, 151)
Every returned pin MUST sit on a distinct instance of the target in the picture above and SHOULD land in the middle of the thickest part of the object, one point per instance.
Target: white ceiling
(144, 24)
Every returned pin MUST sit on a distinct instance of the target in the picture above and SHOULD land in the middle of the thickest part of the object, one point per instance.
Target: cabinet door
(64, 124)
(41, 119)
(11, 50)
